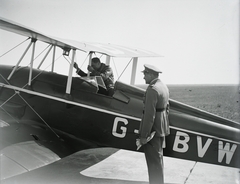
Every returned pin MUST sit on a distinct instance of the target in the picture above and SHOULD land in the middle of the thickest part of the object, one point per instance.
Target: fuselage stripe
(67, 101)
(202, 134)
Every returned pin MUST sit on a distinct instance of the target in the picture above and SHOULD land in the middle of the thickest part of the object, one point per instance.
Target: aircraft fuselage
(112, 121)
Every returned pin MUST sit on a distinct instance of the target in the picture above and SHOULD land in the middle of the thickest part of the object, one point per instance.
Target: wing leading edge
(107, 49)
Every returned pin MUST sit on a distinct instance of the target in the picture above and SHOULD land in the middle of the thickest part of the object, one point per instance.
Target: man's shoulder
(158, 85)
(152, 89)
(155, 83)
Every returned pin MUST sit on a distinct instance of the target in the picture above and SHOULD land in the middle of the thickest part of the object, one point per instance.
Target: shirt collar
(154, 81)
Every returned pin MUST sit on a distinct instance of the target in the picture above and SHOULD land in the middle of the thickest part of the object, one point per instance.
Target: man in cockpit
(99, 69)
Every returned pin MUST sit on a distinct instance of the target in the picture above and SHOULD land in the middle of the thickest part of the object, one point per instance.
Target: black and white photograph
(119, 92)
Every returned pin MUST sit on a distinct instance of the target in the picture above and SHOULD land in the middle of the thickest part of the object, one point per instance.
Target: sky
(198, 39)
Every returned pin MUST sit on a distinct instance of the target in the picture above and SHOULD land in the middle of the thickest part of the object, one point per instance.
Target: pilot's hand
(90, 68)
(75, 65)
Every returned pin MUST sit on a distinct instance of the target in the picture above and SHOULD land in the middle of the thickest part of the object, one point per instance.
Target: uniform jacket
(156, 108)
(105, 72)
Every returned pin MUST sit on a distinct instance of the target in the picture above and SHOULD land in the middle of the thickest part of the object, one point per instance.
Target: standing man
(99, 69)
(154, 119)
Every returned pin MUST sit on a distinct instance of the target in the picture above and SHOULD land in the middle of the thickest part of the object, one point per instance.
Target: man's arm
(79, 71)
(149, 113)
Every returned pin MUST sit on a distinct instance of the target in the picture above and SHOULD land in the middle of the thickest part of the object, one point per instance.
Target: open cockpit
(70, 50)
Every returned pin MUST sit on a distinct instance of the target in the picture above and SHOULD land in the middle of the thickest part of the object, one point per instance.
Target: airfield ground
(131, 166)
(222, 100)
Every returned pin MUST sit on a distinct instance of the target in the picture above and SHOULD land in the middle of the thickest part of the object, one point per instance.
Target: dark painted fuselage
(103, 121)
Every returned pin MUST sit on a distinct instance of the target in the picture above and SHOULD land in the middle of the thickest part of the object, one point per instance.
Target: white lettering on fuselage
(202, 149)
(225, 151)
(181, 145)
(183, 142)
(115, 127)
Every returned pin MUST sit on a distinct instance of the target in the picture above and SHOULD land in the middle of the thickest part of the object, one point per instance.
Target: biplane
(50, 122)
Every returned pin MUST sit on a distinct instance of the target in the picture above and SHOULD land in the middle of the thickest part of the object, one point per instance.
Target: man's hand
(140, 142)
(75, 65)
(90, 68)
(143, 141)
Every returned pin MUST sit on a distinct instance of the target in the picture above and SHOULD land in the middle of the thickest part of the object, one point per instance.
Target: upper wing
(107, 49)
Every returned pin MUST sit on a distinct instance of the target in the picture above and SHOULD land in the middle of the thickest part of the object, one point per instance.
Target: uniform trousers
(154, 157)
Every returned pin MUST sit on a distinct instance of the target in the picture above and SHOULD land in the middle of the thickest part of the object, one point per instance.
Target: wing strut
(107, 60)
(14, 69)
(32, 59)
(134, 69)
(90, 62)
(45, 57)
(53, 59)
(69, 81)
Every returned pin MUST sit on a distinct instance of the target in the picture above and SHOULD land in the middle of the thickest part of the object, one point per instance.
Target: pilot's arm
(79, 71)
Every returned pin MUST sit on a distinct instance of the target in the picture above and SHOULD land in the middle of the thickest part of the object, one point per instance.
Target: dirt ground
(222, 100)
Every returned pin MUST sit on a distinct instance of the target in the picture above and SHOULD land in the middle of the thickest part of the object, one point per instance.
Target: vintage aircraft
(49, 121)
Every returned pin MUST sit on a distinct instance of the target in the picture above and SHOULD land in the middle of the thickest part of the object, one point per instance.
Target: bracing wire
(100, 56)
(4, 79)
(76, 59)
(31, 106)
(41, 52)
(7, 100)
(1, 106)
(66, 59)
(125, 68)
(9, 114)
(44, 68)
(84, 60)
(115, 68)
(41, 71)
(38, 115)
(14, 47)
(17, 92)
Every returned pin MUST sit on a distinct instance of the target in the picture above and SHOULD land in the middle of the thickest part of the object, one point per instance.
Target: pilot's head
(96, 63)
(150, 73)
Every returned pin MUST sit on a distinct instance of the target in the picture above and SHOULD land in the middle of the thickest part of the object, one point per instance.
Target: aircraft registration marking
(117, 120)
(181, 145)
(115, 125)
(184, 141)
